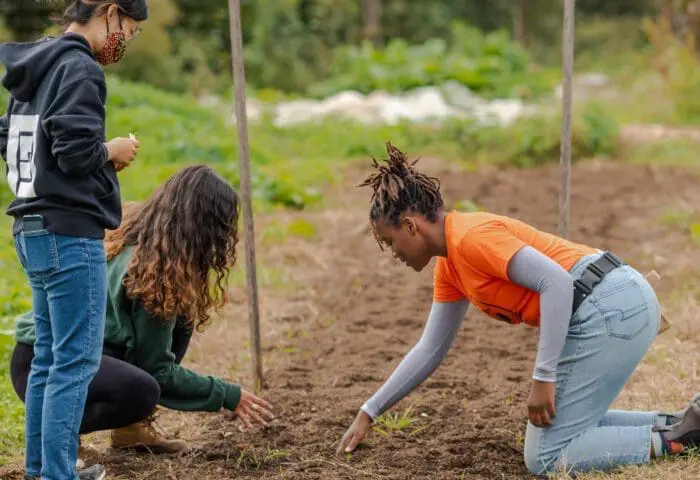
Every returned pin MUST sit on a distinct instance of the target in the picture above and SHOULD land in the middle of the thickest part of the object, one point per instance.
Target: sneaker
(96, 472)
(675, 417)
(147, 435)
(687, 430)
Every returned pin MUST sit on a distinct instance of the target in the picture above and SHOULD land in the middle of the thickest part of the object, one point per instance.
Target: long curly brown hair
(185, 231)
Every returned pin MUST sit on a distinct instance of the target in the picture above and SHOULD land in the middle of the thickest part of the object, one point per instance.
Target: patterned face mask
(114, 48)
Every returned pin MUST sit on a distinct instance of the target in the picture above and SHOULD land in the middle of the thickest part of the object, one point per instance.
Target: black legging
(119, 395)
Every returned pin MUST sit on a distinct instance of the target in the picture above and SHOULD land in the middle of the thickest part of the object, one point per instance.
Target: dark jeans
(119, 395)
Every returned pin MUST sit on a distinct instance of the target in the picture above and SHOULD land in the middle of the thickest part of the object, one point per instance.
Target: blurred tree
(290, 44)
(29, 18)
(603, 8)
(372, 19)
(683, 17)
(5, 33)
(519, 31)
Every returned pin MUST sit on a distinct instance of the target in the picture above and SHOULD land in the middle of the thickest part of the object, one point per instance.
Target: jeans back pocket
(40, 252)
(623, 304)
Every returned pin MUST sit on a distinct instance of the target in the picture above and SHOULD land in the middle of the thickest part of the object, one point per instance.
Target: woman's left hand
(540, 404)
(252, 408)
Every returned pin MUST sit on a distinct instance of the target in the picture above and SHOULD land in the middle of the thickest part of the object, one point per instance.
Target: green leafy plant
(490, 64)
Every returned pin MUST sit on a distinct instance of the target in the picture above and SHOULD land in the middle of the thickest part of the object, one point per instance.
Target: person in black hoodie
(63, 175)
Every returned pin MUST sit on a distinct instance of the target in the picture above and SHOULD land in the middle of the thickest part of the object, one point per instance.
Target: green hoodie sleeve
(181, 389)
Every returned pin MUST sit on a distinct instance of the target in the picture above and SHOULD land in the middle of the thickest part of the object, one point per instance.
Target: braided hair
(398, 187)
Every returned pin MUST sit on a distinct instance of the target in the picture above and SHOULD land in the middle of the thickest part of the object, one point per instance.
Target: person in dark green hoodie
(166, 272)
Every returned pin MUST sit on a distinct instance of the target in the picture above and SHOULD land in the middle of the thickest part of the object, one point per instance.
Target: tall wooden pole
(234, 7)
(565, 158)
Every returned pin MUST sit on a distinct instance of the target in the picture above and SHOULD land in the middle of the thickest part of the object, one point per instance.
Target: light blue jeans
(608, 336)
(69, 294)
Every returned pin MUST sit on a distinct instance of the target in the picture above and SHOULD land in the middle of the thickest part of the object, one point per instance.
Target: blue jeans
(69, 293)
(608, 336)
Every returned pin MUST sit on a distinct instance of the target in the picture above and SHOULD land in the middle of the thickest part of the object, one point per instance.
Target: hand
(355, 433)
(122, 151)
(540, 403)
(251, 408)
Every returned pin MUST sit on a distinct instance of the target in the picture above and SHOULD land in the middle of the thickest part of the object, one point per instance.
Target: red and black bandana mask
(114, 48)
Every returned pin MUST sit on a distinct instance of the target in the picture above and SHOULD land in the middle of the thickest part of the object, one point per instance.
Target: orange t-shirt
(479, 248)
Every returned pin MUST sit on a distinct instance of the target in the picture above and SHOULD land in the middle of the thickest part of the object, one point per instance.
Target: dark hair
(186, 230)
(81, 11)
(397, 188)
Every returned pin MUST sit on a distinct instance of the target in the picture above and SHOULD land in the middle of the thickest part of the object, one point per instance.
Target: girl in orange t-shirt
(597, 318)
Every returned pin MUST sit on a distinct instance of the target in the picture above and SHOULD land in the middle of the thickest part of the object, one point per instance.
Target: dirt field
(338, 314)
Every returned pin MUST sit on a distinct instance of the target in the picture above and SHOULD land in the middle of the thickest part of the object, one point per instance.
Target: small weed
(275, 454)
(676, 218)
(685, 220)
(245, 458)
(510, 398)
(695, 232)
(327, 322)
(302, 228)
(396, 422)
(250, 459)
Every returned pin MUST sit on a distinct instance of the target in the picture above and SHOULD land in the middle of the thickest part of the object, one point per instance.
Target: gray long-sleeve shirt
(528, 268)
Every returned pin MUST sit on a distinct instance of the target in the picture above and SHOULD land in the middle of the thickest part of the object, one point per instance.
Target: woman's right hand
(355, 433)
(122, 151)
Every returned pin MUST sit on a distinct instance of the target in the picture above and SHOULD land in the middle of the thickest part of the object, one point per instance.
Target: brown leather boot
(145, 436)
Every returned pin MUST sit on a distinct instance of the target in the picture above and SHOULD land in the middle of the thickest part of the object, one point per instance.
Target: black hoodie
(52, 137)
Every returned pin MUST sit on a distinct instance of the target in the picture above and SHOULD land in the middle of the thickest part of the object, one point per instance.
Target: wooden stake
(567, 80)
(234, 7)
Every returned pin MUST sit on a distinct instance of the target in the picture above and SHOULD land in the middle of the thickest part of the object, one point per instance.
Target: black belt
(593, 275)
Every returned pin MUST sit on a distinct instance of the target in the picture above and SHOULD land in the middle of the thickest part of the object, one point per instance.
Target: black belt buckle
(584, 285)
(614, 259)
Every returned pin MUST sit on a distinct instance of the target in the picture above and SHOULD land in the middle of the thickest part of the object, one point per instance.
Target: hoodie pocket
(105, 185)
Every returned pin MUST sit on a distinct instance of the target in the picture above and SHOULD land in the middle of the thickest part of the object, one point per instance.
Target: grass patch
(277, 231)
(12, 425)
(392, 422)
(687, 221)
(671, 152)
(251, 459)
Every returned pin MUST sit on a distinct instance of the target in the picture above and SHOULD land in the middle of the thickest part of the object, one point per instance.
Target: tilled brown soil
(338, 314)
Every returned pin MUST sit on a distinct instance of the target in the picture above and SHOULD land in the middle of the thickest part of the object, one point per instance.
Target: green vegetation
(291, 44)
(490, 64)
